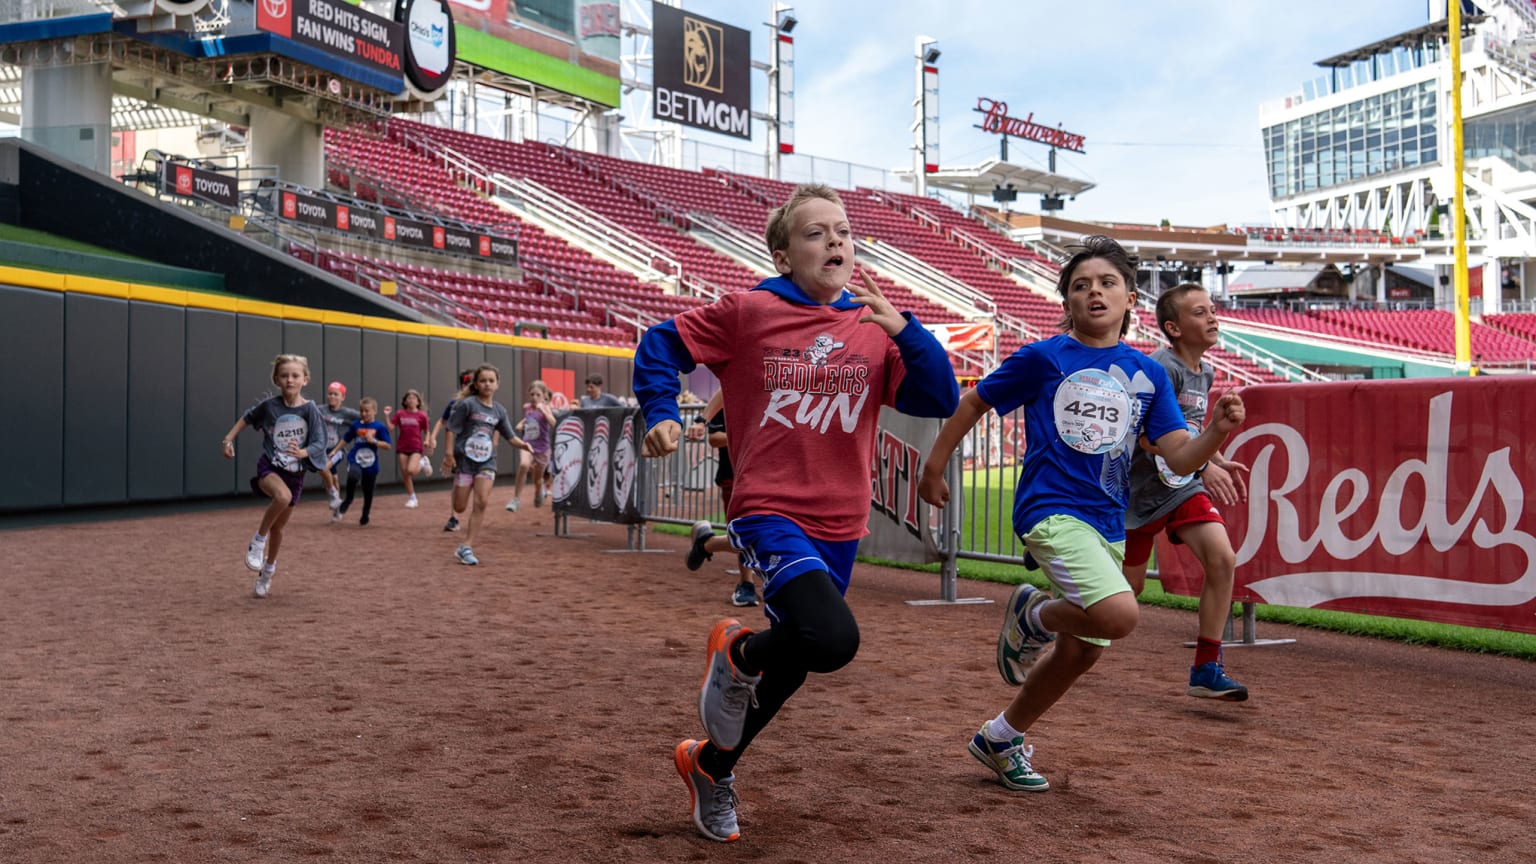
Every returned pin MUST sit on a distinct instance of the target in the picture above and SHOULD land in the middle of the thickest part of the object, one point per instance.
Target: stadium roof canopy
(1418, 36)
(980, 180)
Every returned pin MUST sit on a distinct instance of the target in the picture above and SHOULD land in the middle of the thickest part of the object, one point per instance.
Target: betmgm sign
(702, 73)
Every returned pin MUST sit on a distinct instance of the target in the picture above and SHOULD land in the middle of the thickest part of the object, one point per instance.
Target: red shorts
(1138, 541)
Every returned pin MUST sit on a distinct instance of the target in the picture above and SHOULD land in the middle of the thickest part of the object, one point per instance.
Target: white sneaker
(335, 516)
(426, 469)
(466, 556)
(256, 553)
(410, 503)
(264, 582)
(513, 504)
(335, 498)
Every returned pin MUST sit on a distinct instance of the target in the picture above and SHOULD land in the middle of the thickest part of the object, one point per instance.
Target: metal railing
(572, 221)
(681, 489)
(743, 246)
(926, 279)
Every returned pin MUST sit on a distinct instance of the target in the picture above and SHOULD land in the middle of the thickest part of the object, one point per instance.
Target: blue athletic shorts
(779, 550)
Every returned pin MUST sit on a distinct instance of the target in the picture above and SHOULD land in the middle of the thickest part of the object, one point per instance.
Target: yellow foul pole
(1459, 210)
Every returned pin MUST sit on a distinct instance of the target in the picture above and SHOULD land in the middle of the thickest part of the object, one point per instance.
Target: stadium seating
(1427, 330)
(579, 295)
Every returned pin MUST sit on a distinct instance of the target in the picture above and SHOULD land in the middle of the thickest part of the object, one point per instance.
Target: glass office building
(1374, 135)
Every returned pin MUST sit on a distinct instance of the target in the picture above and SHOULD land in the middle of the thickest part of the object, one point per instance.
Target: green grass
(1474, 639)
(53, 241)
(987, 527)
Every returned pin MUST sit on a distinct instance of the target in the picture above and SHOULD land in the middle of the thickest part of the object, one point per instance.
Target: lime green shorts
(1082, 566)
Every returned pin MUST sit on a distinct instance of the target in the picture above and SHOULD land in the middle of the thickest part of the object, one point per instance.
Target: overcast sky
(1166, 92)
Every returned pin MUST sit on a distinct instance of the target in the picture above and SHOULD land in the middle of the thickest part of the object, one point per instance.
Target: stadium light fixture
(931, 55)
(784, 17)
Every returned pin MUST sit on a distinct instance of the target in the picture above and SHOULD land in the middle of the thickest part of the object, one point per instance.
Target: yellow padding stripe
(32, 278)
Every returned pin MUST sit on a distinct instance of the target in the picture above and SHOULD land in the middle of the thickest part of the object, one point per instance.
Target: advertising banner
(189, 182)
(597, 464)
(378, 225)
(336, 28)
(901, 525)
(702, 72)
(430, 43)
(1396, 498)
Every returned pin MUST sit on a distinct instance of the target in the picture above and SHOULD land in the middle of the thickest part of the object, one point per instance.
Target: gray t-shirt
(474, 424)
(336, 422)
(1156, 491)
(607, 400)
(280, 424)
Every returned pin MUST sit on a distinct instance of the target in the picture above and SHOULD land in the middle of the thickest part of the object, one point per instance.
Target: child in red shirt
(410, 424)
(805, 363)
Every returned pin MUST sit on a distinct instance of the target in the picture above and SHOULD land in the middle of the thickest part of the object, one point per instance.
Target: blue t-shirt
(363, 453)
(1084, 409)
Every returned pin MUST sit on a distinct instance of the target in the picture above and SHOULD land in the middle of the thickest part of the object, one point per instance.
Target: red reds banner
(1401, 498)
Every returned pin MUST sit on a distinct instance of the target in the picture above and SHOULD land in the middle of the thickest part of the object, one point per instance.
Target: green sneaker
(1019, 642)
(1010, 759)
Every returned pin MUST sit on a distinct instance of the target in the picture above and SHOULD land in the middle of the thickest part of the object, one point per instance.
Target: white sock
(269, 568)
(1034, 618)
(1000, 730)
(259, 538)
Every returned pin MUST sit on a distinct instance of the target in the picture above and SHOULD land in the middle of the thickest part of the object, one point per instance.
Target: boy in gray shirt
(1182, 505)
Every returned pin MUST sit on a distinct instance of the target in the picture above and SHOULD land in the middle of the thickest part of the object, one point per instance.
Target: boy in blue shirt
(366, 436)
(1088, 398)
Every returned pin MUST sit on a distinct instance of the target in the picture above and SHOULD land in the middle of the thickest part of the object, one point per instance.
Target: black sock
(738, 656)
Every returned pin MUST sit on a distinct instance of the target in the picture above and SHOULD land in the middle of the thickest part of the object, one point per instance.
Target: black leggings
(815, 632)
(368, 482)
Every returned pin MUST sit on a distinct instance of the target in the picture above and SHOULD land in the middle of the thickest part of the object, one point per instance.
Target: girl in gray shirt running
(471, 457)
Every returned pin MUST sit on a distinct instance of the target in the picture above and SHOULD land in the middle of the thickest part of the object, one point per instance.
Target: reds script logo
(1394, 530)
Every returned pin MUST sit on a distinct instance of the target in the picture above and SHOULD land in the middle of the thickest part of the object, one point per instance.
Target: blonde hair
(282, 360)
(779, 219)
(538, 384)
(421, 404)
(370, 403)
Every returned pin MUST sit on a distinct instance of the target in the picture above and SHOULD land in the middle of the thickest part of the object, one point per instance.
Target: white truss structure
(1498, 73)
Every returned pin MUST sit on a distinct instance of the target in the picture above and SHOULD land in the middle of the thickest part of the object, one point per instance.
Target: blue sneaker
(1010, 760)
(1019, 642)
(1210, 681)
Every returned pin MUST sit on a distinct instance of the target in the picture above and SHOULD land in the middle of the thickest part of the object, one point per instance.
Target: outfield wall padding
(120, 400)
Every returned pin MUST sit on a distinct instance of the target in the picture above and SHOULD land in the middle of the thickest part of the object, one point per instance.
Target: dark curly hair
(1098, 246)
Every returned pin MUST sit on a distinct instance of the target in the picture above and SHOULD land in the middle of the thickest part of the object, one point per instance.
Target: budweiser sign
(1414, 508)
(994, 118)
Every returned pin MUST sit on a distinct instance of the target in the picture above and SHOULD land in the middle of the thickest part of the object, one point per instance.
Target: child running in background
(537, 428)
(466, 377)
(471, 456)
(410, 425)
(1162, 500)
(805, 362)
(338, 419)
(292, 437)
(1087, 398)
(711, 423)
(366, 436)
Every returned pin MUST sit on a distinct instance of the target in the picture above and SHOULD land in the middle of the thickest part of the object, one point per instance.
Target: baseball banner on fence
(597, 462)
(1397, 498)
(901, 525)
